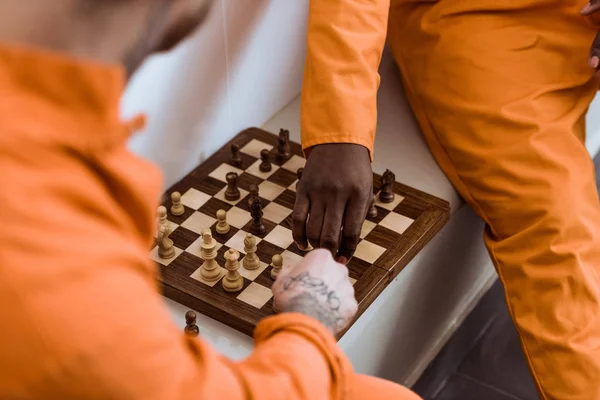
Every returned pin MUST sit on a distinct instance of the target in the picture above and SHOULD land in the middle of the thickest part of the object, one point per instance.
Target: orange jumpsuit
(500, 90)
(81, 317)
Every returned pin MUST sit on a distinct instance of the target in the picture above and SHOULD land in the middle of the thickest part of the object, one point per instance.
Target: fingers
(332, 225)
(299, 217)
(315, 223)
(594, 59)
(354, 217)
(590, 8)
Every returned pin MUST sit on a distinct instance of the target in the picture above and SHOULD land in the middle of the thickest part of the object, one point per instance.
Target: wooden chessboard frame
(429, 213)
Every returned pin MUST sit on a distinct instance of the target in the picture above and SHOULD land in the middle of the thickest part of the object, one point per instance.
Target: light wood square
(280, 236)
(251, 274)
(389, 206)
(194, 248)
(396, 222)
(194, 198)
(269, 190)
(292, 187)
(237, 217)
(368, 251)
(256, 295)
(254, 169)
(197, 275)
(367, 227)
(221, 196)
(198, 221)
(222, 170)
(291, 259)
(352, 281)
(294, 163)
(275, 212)
(155, 257)
(254, 148)
(237, 241)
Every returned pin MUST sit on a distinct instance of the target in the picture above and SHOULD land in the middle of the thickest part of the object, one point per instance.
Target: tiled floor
(483, 360)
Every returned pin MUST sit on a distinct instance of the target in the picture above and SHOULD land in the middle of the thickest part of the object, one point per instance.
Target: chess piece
(253, 194)
(276, 263)
(191, 329)
(177, 207)
(222, 225)
(166, 249)
(236, 160)
(232, 192)
(233, 281)
(299, 175)
(283, 146)
(386, 195)
(251, 260)
(265, 164)
(210, 270)
(257, 227)
(372, 213)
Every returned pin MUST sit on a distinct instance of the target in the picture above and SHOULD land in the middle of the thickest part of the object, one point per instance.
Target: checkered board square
(387, 242)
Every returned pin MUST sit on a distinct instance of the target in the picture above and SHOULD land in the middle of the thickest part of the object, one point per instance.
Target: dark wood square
(286, 199)
(213, 205)
(381, 214)
(264, 279)
(269, 226)
(244, 205)
(287, 222)
(294, 249)
(266, 251)
(247, 160)
(383, 236)
(183, 238)
(246, 179)
(282, 177)
(178, 219)
(429, 214)
(208, 185)
(223, 237)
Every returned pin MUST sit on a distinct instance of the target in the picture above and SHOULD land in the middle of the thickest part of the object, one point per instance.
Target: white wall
(237, 71)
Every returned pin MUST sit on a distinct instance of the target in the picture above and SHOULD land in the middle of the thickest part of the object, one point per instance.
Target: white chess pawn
(222, 225)
(233, 281)
(210, 270)
(166, 249)
(251, 260)
(277, 263)
(177, 207)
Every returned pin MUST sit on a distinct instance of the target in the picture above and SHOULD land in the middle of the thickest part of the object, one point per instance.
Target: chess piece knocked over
(386, 195)
(233, 281)
(236, 160)
(251, 260)
(283, 146)
(257, 228)
(372, 213)
(177, 208)
(277, 264)
(222, 225)
(191, 329)
(232, 192)
(210, 270)
(166, 249)
(265, 164)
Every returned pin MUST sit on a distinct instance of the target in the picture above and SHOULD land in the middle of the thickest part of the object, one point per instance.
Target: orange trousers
(501, 90)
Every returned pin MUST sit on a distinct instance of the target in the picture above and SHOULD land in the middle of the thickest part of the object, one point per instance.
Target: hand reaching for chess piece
(319, 287)
(336, 200)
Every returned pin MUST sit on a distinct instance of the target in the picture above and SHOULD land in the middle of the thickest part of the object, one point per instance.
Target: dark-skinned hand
(333, 198)
(594, 60)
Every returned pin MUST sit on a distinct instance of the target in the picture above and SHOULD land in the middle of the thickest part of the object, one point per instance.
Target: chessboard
(212, 213)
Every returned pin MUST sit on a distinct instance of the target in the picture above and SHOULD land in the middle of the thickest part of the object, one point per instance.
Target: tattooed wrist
(308, 304)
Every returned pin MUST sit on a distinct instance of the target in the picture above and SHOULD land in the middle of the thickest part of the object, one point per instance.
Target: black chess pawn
(257, 228)
(232, 192)
(236, 160)
(283, 146)
(191, 328)
(372, 213)
(265, 164)
(386, 195)
(253, 194)
(299, 175)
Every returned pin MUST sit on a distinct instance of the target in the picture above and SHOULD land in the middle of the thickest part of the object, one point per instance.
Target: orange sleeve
(345, 43)
(82, 316)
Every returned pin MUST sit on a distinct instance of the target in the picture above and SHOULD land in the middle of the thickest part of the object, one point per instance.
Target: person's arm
(345, 42)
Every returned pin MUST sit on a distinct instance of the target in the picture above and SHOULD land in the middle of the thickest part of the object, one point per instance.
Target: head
(110, 31)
